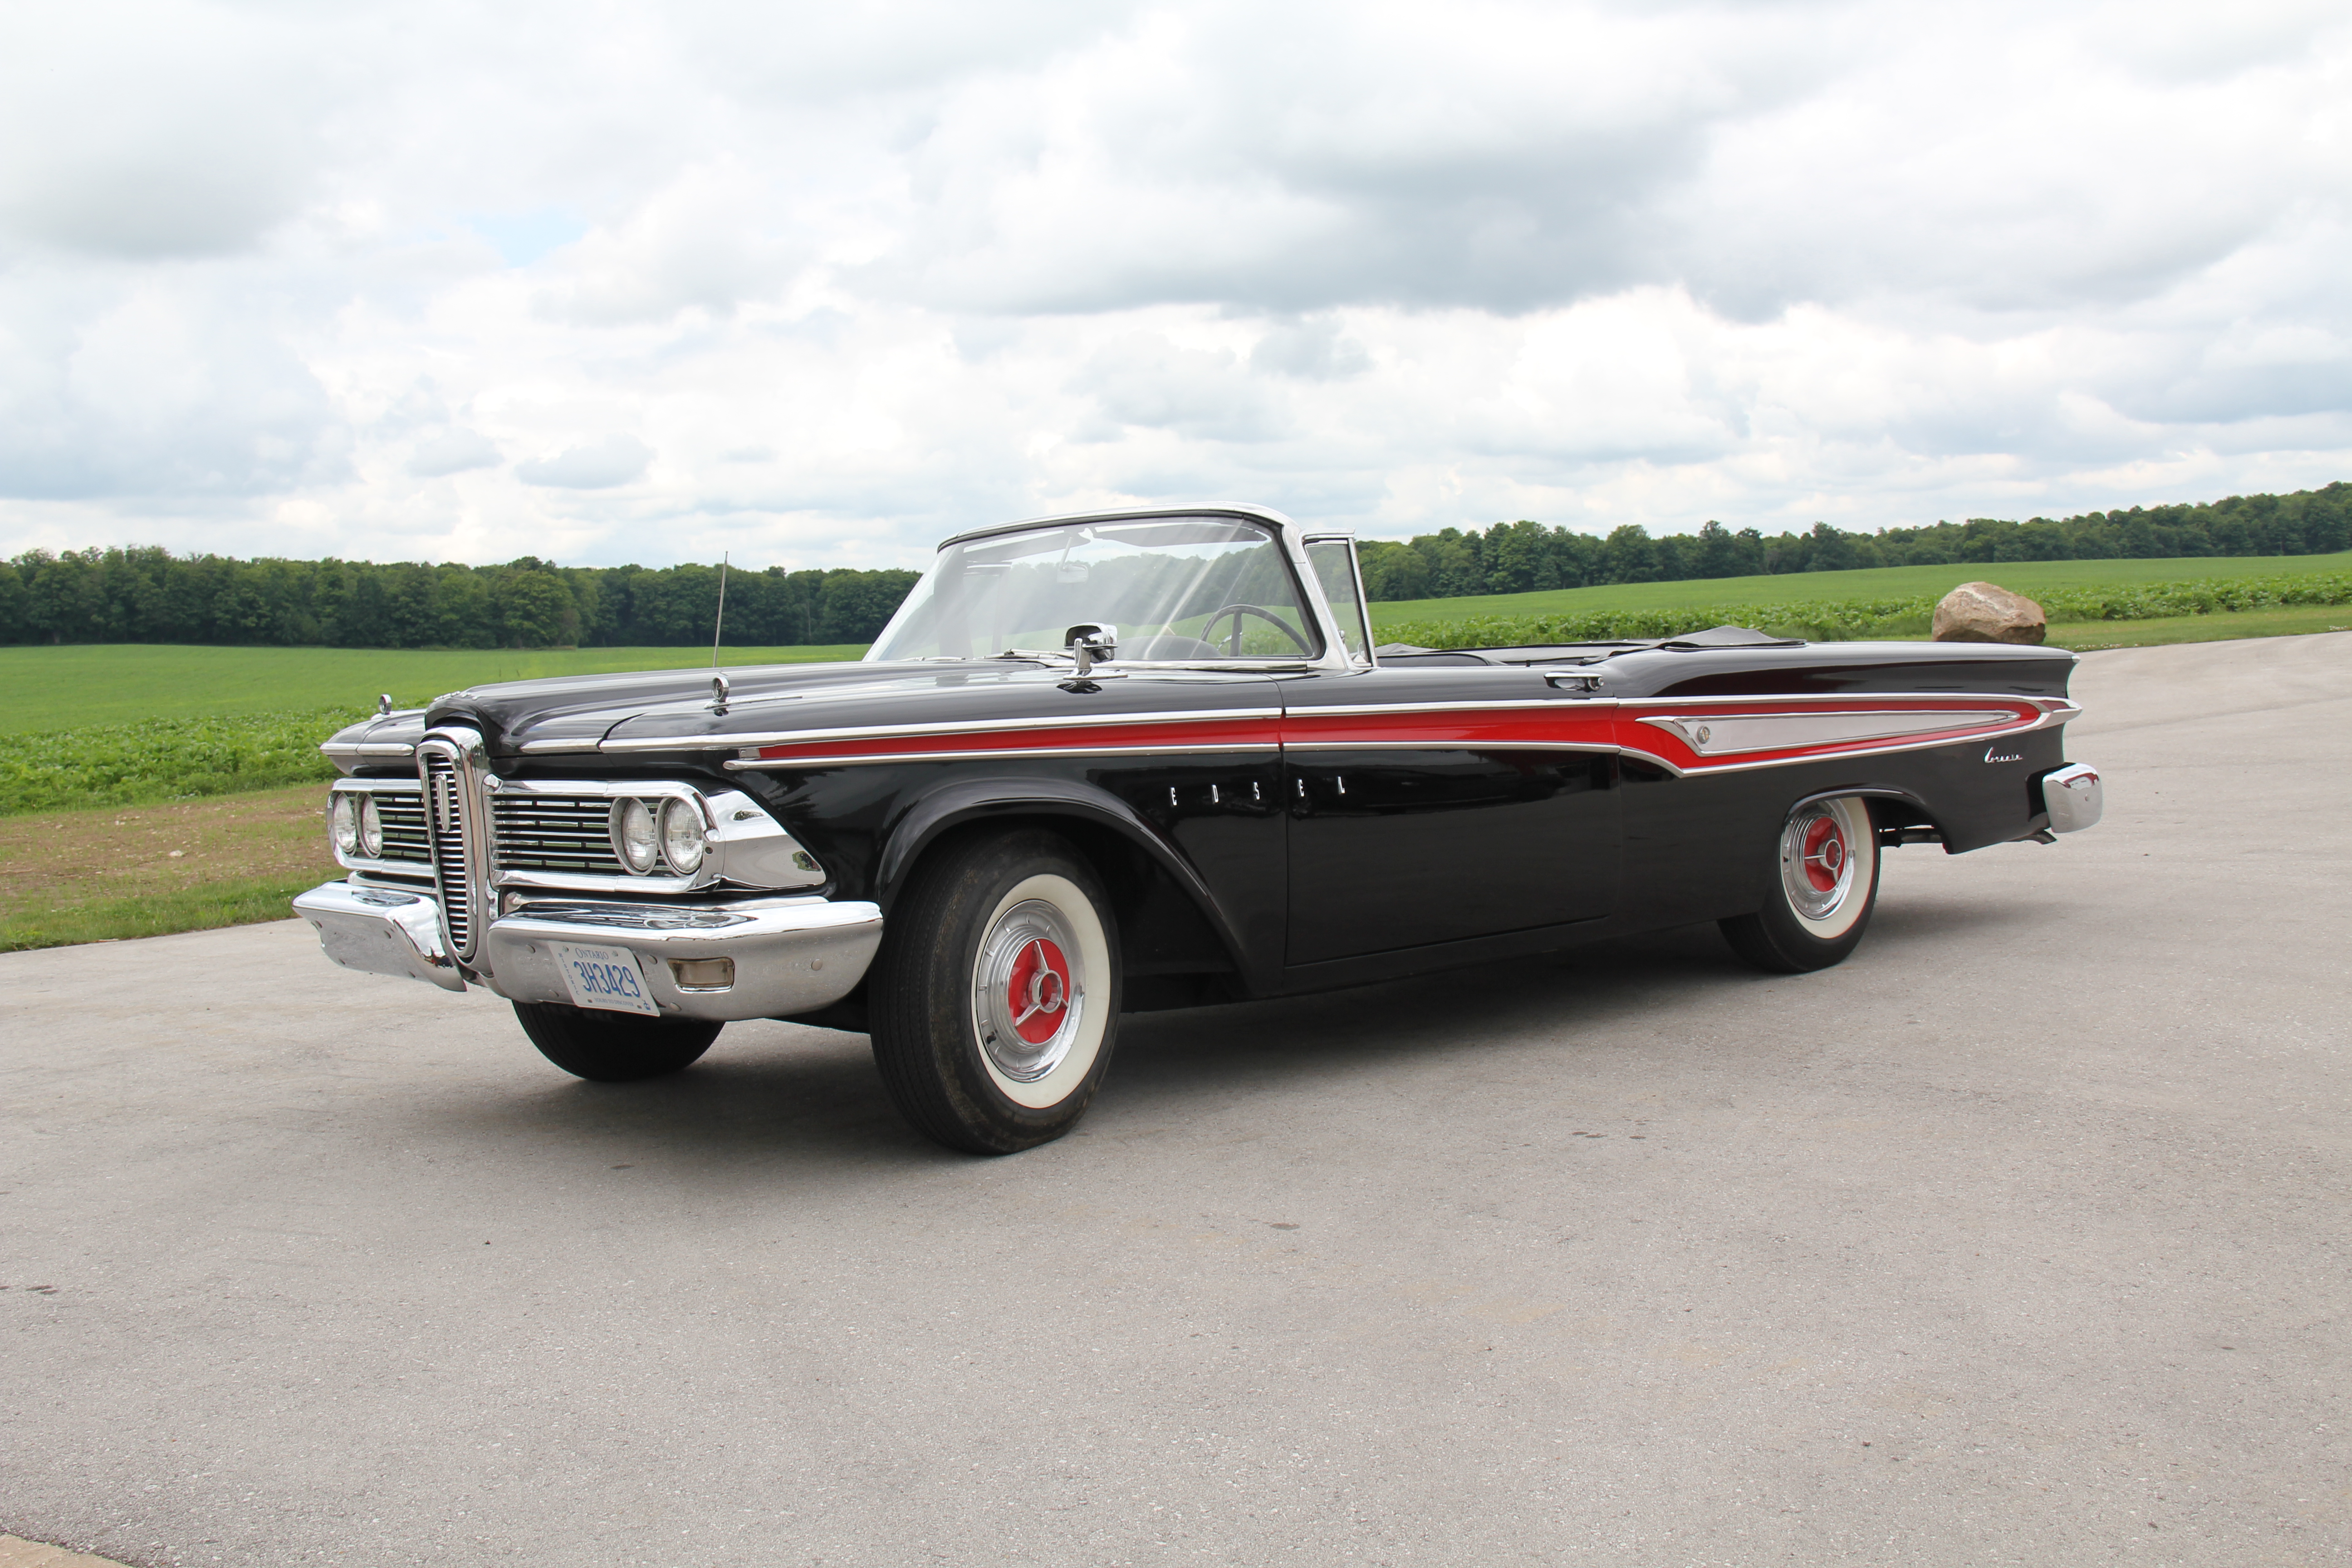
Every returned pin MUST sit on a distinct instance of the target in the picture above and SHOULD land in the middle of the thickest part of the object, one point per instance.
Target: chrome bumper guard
(789, 955)
(382, 931)
(2072, 796)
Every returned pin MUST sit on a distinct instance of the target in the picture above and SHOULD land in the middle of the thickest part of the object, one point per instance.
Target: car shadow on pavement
(771, 1095)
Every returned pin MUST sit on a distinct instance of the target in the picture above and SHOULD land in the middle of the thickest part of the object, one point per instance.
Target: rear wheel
(995, 996)
(1824, 884)
(614, 1047)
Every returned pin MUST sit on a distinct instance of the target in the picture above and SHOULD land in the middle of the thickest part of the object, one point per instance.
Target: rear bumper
(790, 955)
(2073, 797)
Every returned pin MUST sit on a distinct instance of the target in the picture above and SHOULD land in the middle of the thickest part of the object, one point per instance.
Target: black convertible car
(1144, 760)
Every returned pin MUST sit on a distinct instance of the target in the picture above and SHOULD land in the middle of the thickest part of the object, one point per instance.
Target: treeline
(1515, 557)
(150, 595)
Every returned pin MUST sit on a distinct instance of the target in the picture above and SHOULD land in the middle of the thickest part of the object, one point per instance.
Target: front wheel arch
(1132, 858)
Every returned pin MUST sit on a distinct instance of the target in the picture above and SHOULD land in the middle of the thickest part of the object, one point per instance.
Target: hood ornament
(383, 705)
(719, 694)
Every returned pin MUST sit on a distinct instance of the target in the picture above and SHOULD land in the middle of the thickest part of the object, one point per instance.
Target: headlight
(342, 824)
(681, 836)
(633, 835)
(371, 829)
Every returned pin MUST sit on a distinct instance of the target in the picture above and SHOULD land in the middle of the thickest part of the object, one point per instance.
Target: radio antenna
(721, 619)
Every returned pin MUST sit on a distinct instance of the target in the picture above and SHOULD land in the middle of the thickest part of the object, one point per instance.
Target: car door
(1434, 803)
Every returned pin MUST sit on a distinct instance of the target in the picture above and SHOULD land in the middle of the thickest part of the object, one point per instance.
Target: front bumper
(790, 955)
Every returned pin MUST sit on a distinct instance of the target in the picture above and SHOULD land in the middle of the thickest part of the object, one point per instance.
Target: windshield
(1178, 588)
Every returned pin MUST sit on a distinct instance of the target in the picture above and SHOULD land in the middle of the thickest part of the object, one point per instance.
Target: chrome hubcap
(1028, 991)
(1817, 860)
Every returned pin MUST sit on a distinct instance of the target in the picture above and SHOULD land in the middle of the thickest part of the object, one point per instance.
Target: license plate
(606, 977)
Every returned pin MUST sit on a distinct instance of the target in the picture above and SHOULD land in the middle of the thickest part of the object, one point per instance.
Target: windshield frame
(1289, 546)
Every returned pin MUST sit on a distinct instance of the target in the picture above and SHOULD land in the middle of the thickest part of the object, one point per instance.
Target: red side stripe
(1568, 724)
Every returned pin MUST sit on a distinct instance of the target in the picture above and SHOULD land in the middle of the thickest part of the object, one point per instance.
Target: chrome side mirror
(1090, 642)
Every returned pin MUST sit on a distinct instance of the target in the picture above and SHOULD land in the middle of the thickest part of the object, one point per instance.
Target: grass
(161, 760)
(2031, 578)
(2291, 620)
(80, 685)
(98, 874)
(1843, 619)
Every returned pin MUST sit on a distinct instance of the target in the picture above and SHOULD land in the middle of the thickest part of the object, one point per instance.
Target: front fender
(921, 819)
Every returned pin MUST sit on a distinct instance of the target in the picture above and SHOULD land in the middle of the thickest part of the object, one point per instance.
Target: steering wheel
(1238, 611)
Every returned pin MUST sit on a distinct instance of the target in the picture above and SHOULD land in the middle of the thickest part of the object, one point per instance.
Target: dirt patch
(85, 875)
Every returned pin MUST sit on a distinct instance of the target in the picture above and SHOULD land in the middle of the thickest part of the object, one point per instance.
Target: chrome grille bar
(405, 834)
(554, 833)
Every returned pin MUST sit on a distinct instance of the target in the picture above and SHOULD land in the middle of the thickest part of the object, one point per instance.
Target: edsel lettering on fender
(1142, 760)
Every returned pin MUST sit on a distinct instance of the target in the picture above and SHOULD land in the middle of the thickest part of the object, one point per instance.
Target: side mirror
(1088, 642)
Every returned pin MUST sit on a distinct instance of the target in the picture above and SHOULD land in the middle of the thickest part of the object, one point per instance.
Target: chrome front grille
(554, 833)
(445, 810)
(405, 834)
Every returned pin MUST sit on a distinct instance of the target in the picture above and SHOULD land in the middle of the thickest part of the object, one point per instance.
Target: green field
(121, 683)
(2292, 620)
(2027, 577)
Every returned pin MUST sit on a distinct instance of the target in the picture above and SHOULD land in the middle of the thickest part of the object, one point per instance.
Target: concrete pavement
(2018, 1238)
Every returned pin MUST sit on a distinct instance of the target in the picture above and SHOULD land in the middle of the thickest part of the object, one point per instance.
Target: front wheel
(614, 1047)
(1825, 883)
(995, 996)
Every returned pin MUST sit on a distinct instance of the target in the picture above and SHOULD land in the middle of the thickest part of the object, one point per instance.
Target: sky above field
(817, 285)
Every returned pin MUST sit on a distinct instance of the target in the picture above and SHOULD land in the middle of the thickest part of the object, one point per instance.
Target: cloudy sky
(614, 281)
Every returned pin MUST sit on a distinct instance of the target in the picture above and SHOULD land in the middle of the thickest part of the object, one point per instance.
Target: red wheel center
(1037, 991)
(1824, 854)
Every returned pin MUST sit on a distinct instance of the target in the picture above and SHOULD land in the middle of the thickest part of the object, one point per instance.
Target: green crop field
(121, 683)
(2027, 577)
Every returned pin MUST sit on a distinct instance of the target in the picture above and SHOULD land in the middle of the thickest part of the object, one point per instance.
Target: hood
(655, 709)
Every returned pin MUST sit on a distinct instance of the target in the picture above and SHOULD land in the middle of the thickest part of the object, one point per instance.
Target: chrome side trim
(936, 727)
(2054, 710)
(380, 931)
(1731, 734)
(782, 764)
(1456, 745)
(2073, 798)
(367, 748)
(1548, 704)
(2047, 704)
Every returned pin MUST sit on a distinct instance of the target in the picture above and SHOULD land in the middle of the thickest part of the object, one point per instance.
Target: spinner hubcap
(1817, 860)
(1028, 991)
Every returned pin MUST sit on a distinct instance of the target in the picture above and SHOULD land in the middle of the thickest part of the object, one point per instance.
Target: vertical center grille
(444, 814)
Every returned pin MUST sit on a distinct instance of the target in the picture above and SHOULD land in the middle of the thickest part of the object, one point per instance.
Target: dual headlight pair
(671, 835)
(352, 821)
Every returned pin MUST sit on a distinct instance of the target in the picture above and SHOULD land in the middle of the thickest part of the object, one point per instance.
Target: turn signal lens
(342, 824)
(681, 836)
(633, 835)
(371, 829)
(703, 973)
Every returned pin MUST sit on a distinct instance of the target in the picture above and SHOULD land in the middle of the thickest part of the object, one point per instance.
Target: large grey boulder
(1986, 612)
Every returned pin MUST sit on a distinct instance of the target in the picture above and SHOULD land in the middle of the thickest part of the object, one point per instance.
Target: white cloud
(457, 452)
(599, 465)
(305, 279)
